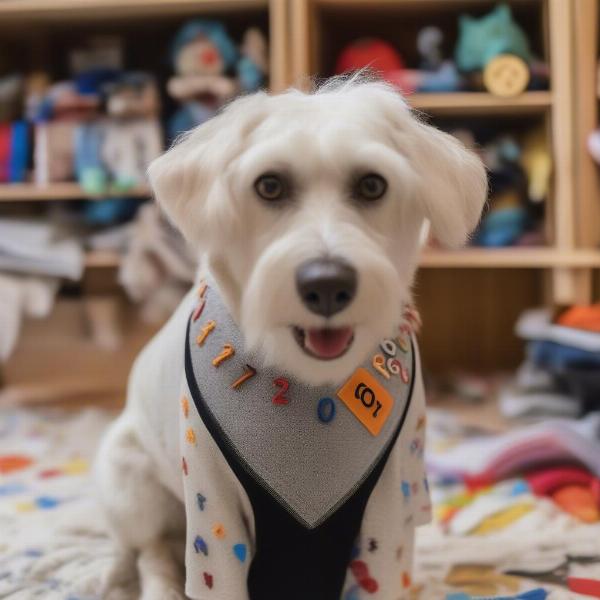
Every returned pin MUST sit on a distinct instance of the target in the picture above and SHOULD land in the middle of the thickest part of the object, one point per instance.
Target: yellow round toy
(506, 75)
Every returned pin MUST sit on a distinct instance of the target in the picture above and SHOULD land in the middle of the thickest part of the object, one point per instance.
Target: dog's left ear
(453, 183)
(189, 180)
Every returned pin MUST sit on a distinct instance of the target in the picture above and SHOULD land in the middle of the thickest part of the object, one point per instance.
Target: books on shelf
(14, 151)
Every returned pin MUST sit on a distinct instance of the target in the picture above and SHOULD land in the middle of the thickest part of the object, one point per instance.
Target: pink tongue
(329, 343)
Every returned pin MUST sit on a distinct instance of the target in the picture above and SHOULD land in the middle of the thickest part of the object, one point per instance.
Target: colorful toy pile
(508, 487)
(491, 53)
(102, 126)
(560, 375)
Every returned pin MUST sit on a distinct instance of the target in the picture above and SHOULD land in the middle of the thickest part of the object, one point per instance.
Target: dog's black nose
(326, 285)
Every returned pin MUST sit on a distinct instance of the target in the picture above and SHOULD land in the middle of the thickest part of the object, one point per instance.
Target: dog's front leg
(143, 517)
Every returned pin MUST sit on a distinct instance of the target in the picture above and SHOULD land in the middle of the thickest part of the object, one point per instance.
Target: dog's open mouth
(326, 343)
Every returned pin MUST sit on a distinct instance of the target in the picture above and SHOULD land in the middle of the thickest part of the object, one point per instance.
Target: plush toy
(210, 70)
(381, 57)
(113, 154)
(507, 218)
(133, 136)
(436, 74)
(496, 44)
(378, 56)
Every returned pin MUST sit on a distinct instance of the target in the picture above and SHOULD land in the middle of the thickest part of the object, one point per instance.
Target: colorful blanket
(53, 543)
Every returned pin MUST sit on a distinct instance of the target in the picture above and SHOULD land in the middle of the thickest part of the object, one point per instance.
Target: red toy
(379, 56)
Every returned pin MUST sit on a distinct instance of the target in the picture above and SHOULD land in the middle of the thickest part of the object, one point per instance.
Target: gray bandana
(310, 447)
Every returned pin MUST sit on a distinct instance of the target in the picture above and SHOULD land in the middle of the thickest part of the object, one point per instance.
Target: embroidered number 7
(279, 397)
(228, 352)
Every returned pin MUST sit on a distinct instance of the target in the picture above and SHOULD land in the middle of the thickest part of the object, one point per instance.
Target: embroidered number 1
(279, 397)
(206, 329)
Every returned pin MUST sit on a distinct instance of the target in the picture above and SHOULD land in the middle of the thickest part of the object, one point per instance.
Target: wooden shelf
(102, 259)
(28, 192)
(470, 103)
(515, 258)
(51, 10)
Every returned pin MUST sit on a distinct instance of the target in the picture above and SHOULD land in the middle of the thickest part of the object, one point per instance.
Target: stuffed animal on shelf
(436, 74)
(57, 112)
(381, 57)
(376, 54)
(210, 70)
(520, 171)
(498, 46)
(113, 154)
(133, 136)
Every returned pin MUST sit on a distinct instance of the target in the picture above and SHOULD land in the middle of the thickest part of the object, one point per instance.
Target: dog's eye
(270, 187)
(370, 187)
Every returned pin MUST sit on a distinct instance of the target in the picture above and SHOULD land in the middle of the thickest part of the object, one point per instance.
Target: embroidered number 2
(279, 397)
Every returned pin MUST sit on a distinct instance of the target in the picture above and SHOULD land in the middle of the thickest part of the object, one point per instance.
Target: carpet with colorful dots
(53, 543)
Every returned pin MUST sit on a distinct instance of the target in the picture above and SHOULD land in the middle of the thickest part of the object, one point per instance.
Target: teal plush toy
(481, 40)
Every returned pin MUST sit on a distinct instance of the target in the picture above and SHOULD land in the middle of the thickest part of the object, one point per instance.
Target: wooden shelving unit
(480, 103)
(43, 17)
(510, 258)
(28, 192)
(318, 33)
(480, 290)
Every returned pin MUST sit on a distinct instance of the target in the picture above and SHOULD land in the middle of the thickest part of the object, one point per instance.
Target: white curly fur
(205, 185)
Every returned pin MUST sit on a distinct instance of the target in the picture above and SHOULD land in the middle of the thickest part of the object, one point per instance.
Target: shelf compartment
(29, 192)
(480, 103)
(514, 257)
(42, 10)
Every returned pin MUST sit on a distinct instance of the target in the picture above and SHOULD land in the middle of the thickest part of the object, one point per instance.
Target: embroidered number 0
(279, 397)
(326, 410)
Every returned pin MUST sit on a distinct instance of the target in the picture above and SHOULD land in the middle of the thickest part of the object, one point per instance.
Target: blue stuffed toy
(210, 70)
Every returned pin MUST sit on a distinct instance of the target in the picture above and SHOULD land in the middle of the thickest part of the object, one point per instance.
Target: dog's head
(309, 209)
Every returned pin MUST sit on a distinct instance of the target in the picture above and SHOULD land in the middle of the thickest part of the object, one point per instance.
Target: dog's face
(309, 208)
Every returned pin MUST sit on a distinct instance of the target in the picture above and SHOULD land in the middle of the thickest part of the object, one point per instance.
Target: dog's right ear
(187, 180)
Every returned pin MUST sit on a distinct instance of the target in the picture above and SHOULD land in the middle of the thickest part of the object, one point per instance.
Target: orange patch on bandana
(367, 399)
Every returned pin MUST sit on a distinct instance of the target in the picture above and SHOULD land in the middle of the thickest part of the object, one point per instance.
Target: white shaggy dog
(308, 210)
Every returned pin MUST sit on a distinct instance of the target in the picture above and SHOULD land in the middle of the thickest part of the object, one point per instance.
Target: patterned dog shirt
(297, 492)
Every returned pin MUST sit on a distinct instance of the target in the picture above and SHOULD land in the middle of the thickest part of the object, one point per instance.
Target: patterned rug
(53, 543)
